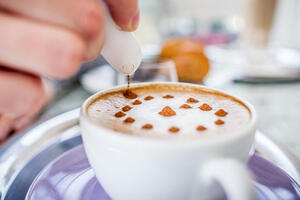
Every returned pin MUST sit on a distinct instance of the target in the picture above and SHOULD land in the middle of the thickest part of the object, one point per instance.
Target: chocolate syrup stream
(128, 93)
(128, 82)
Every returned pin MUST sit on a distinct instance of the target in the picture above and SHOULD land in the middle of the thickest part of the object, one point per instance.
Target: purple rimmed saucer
(71, 177)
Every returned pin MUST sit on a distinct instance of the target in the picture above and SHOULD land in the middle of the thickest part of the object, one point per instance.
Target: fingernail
(133, 23)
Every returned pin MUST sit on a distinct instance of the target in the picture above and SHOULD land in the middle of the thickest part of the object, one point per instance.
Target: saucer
(71, 177)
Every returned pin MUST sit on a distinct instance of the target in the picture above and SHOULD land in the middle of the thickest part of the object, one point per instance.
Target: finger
(83, 16)
(39, 48)
(19, 93)
(25, 120)
(125, 13)
(94, 47)
(6, 125)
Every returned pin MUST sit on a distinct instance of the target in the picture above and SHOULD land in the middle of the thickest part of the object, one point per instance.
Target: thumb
(125, 13)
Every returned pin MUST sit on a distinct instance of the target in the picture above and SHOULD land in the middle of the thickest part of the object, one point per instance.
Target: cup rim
(249, 128)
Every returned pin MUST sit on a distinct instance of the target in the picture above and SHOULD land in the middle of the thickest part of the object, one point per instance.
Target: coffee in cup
(160, 110)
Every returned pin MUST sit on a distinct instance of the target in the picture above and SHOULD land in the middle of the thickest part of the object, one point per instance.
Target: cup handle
(232, 175)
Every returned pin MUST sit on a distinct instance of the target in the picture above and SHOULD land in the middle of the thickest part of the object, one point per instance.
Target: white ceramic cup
(138, 168)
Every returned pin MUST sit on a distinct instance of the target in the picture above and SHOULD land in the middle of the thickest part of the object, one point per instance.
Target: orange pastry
(191, 63)
(175, 47)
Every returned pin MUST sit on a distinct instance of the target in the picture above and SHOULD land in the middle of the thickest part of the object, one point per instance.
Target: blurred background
(249, 48)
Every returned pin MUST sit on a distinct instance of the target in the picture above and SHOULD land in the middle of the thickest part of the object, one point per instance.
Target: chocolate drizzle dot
(168, 96)
(185, 106)
(192, 100)
(221, 113)
(167, 112)
(129, 94)
(137, 102)
(129, 120)
(147, 126)
(205, 107)
(201, 128)
(126, 108)
(119, 114)
(174, 129)
(219, 122)
(148, 98)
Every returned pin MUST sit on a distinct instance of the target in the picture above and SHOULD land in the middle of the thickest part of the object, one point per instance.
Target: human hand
(48, 38)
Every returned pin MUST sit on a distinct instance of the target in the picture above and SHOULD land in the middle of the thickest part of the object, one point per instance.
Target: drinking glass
(151, 70)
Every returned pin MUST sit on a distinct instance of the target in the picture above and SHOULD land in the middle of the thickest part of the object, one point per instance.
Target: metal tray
(22, 158)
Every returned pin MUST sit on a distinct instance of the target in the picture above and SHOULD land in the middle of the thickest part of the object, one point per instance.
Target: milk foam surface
(102, 111)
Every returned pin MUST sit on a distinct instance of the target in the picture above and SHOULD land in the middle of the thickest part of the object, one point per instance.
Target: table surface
(277, 106)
